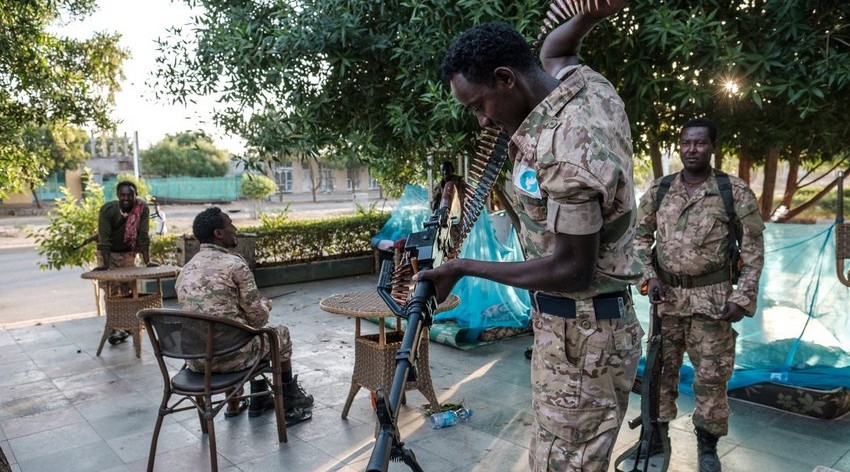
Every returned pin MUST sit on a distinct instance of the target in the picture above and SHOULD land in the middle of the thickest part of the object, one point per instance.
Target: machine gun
(637, 458)
(440, 239)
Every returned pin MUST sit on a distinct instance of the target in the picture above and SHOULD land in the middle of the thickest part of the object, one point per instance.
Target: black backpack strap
(663, 187)
(725, 187)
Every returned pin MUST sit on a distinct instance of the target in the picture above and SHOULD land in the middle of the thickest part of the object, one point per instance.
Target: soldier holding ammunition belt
(572, 187)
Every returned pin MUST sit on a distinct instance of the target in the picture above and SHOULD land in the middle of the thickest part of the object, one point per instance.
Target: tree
(774, 74)
(257, 187)
(49, 80)
(346, 76)
(190, 153)
(54, 149)
(366, 74)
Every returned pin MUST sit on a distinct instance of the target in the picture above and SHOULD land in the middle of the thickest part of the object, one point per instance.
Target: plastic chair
(185, 335)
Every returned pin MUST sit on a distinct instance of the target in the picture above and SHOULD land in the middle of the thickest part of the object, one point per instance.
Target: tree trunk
(35, 196)
(655, 156)
(801, 208)
(745, 164)
(313, 185)
(770, 163)
(791, 183)
(718, 158)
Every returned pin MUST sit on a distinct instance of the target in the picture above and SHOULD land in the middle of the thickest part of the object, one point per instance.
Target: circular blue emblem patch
(528, 181)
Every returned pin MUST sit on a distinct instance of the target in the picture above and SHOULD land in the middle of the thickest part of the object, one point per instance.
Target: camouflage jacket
(219, 282)
(691, 236)
(572, 174)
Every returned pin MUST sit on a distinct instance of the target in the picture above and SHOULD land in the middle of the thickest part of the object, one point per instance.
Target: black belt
(607, 306)
(693, 281)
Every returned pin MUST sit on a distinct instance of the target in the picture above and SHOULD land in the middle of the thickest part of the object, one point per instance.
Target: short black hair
(126, 183)
(447, 165)
(478, 51)
(703, 123)
(206, 223)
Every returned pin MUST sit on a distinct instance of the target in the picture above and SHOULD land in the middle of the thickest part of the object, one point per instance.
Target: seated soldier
(218, 282)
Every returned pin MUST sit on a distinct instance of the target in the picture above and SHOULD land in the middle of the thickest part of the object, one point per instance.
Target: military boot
(707, 451)
(294, 395)
(262, 403)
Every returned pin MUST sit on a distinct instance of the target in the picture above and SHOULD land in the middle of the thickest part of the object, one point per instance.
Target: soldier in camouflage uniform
(572, 187)
(691, 271)
(218, 282)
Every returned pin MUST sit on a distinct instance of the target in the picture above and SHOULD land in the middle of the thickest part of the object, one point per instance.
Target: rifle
(440, 239)
(650, 393)
(842, 235)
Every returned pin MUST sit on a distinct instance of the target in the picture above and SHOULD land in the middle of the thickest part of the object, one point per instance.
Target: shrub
(163, 249)
(71, 222)
(257, 186)
(281, 242)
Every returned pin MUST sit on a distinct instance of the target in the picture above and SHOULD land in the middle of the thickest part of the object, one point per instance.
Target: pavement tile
(101, 410)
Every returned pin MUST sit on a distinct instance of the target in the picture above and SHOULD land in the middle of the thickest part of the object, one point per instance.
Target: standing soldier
(572, 187)
(695, 219)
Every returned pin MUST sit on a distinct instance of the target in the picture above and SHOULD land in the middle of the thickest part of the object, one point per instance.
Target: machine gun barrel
(388, 445)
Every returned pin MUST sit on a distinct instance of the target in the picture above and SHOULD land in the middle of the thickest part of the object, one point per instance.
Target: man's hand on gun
(443, 277)
(655, 290)
(732, 312)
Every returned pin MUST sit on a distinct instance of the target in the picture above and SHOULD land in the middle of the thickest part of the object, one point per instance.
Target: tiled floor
(64, 409)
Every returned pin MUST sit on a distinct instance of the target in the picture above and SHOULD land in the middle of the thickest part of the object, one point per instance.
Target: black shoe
(294, 416)
(294, 395)
(707, 451)
(118, 337)
(259, 405)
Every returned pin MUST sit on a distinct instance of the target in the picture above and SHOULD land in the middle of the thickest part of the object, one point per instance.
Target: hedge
(281, 242)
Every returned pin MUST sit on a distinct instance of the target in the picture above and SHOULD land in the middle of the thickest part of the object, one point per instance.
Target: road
(28, 295)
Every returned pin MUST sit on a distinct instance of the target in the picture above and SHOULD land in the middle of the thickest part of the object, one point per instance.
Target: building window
(373, 182)
(283, 177)
(327, 179)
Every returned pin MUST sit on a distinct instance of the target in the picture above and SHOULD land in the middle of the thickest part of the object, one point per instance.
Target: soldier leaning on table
(122, 232)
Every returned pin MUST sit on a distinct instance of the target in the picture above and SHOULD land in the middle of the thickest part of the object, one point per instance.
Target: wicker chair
(186, 335)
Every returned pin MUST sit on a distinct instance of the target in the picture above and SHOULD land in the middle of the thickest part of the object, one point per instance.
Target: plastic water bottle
(445, 419)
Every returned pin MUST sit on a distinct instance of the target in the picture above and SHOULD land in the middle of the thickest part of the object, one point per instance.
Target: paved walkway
(64, 409)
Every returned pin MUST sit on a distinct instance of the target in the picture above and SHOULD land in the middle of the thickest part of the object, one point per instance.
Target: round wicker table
(374, 354)
(121, 311)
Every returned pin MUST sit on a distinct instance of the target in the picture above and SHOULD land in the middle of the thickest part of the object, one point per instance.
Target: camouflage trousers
(710, 345)
(118, 259)
(581, 373)
(246, 356)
